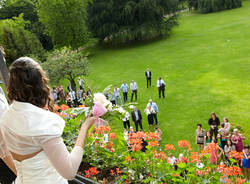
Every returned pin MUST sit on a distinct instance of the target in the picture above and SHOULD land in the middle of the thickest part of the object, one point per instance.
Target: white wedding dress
(27, 129)
(37, 170)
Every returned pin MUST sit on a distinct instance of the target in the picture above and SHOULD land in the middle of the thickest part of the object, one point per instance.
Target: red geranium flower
(112, 136)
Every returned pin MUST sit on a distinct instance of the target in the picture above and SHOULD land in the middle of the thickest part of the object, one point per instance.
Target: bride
(30, 134)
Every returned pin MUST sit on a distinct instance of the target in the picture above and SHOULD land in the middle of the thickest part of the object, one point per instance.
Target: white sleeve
(3, 104)
(65, 163)
(3, 147)
(4, 152)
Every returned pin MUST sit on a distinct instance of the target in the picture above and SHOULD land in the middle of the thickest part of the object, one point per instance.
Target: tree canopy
(66, 63)
(122, 21)
(65, 21)
(17, 41)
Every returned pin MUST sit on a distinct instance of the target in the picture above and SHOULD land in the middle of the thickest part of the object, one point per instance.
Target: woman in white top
(31, 134)
(149, 112)
(227, 125)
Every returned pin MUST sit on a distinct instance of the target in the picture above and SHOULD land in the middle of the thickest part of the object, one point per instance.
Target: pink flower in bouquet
(99, 109)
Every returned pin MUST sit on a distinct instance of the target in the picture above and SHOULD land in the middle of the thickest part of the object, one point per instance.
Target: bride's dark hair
(29, 83)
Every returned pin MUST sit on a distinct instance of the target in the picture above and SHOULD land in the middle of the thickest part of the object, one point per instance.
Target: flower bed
(138, 158)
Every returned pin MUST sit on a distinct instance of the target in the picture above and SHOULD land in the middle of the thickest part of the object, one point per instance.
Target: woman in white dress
(31, 134)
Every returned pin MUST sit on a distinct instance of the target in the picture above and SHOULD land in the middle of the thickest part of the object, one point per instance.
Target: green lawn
(205, 64)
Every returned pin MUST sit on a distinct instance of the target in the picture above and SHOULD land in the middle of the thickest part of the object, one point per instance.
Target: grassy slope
(205, 64)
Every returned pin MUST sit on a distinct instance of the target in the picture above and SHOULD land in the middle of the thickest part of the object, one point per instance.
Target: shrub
(208, 6)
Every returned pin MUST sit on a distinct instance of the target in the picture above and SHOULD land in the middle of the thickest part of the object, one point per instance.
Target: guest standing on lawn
(246, 163)
(227, 149)
(137, 118)
(213, 122)
(134, 89)
(148, 77)
(126, 122)
(200, 137)
(155, 110)
(80, 83)
(117, 96)
(161, 87)
(237, 140)
(124, 88)
(149, 112)
(72, 95)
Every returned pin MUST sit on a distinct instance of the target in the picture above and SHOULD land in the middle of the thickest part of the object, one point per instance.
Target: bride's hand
(88, 123)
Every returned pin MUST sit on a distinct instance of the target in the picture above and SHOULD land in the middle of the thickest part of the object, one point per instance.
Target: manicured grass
(205, 64)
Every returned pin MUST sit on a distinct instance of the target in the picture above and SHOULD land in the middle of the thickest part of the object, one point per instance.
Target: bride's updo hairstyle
(28, 83)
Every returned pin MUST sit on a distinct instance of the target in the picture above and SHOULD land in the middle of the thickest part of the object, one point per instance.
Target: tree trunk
(73, 84)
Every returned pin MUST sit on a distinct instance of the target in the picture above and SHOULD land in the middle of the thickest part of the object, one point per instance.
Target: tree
(66, 63)
(17, 41)
(122, 21)
(64, 21)
(13, 8)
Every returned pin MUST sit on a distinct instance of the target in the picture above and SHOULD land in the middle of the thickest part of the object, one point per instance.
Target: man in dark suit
(137, 118)
(148, 76)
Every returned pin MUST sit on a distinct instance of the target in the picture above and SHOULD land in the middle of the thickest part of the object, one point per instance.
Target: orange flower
(102, 129)
(112, 172)
(195, 157)
(56, 107)
(239, 181)
(184, 144)
(230, 171)
(82, 106)
(112, 136)
(236, 155)
(160, 155)
(153, 143)
(64, 107)
(129, 159)
(152, 135)
(118, 171)
(183, 160)
(169, 147)
(175, 175)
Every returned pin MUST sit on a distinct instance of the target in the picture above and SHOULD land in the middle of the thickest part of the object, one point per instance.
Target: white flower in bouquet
(121, 110)
(99, 97)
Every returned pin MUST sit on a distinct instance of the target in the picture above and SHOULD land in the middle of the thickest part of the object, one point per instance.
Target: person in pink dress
(237, 140)
(213, 147)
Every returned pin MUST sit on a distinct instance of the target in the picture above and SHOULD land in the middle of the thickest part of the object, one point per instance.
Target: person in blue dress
(246, 162)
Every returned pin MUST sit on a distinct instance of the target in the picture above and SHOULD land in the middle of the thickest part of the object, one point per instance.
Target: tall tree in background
(65, 21)
(17, 41)
(122, 21)
(66, 63)
(13, 8)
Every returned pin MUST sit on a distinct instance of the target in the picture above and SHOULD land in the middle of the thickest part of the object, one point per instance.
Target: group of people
(73, 98)
(227, 141)
(151, 112)
(115, 96)
(160, 83)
